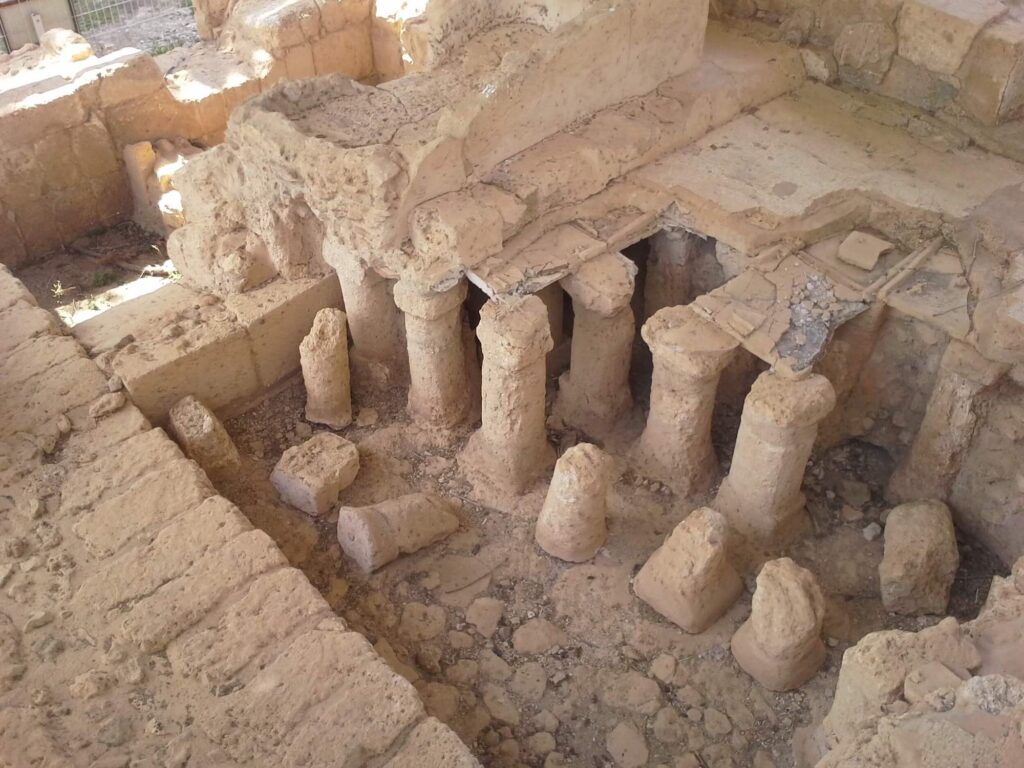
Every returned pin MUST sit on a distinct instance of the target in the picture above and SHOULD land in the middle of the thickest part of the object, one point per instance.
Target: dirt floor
(543, 663)
(99, 271)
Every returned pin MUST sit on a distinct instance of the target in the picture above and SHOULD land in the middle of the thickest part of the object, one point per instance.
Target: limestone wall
(64, 120)
(143, 619)
(352, 162)
(963, 59)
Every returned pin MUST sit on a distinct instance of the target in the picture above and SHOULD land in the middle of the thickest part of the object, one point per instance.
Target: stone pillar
(689, 579)
(438, 391)
(571, 525)
(930, 467)
(594, 393)
(780, 644)
(689, 356)
(375, 323)
(374, 536)
(667, 283)
(761, 496)
(511, 450)
(324, 357)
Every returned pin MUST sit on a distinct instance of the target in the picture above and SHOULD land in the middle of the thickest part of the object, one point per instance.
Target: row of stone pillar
(761, 495)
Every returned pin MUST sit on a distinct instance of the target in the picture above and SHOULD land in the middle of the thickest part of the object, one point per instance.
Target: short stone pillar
(920, 560)
(375, 323)
(594, 392)
(667, 283)
(511, 450)
(438, 390)
(571, 525)
(689, 579)
(761, 496)
(324, 357)
(780, 644)
(689, 356)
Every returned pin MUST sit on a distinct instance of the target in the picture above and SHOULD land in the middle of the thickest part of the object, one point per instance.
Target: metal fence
(5, 47)
(152, 25)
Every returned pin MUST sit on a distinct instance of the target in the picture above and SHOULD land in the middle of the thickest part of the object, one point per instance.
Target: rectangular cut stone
(30, 360)
(152, 500)
(432, 743)
(179, 604)
(217, 368)
(142, 570)
(113, 472)
(88, 445)
(136, 317)
(44, 396)
(278, 316)
(327, 681)
(277, 606)
(23, 321)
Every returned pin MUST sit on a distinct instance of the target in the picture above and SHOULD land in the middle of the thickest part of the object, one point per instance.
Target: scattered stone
(872, 531)
(311, 476)
(664, 667)
(91, 684)
(366, 417)
(780, 644)
(920, 560)
(538, 636)
(463, 672)
(374, 536)
(571, 525)
(323, 355)
(854, 492)
(529, 681)
(716, 723)
(107, 404)
(627, 746)
(689, 579)
(541, 743)
(500, 704)
(927, 678)
(421, 622)
(633, 692)
(484, 613)
(493, 667)
(201, 436)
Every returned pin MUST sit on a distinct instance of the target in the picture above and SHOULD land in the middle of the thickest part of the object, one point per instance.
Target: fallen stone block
(780, 644)
(689, 579)
(311, 476)
(23, 321)
(201, 435)
(374, 536)
(571, 525)
(920, 559)
(432, 743)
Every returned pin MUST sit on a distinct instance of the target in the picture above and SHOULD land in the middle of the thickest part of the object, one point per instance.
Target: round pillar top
(604, 284)
(785, 402)
(514, 331)
(694, 343)
(425, 304)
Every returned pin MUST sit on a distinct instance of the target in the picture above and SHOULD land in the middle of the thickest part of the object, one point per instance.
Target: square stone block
(312, 475)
